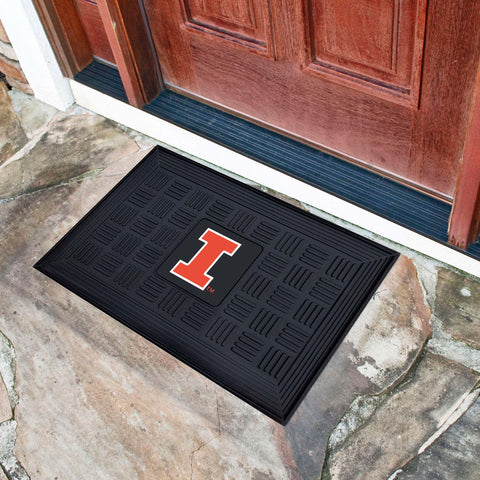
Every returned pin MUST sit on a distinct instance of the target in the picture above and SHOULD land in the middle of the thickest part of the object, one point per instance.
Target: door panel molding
(242, 22)
(368, 44)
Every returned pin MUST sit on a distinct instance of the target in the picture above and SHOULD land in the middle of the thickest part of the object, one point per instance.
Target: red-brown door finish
(92, 25)
(386, 83)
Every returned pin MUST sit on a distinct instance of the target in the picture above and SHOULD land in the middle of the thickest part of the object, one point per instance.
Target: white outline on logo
(211, 266)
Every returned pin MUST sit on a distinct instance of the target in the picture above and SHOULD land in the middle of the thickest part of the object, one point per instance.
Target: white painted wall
(34, 53)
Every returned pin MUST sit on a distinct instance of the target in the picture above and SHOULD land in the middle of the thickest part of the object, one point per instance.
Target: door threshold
(341, 189)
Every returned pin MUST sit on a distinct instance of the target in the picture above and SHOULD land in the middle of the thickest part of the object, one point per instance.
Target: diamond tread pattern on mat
(273, 312)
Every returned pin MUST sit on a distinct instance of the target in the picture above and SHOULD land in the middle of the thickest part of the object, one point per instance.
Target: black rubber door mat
(250, 291)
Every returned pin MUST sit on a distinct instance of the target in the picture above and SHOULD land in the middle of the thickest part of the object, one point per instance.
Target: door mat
(248, 290)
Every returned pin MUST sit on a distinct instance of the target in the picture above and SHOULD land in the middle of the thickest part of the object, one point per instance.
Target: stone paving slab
(5, 407)
(11, 179)
(74, 147)
(12, 135)
(32, 118)
(379, 350)
(454, 456)
(457, 306)
(402, 421)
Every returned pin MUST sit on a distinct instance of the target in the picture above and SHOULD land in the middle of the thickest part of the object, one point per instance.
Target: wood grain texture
(245, 22)
(279, 93)
(374, 44)
(93, 26)
(65, 33)
(399, 106)
(452, 54)
(346, 29)
(464, 227)
(170, 36)
(130, 41)
(322, 113)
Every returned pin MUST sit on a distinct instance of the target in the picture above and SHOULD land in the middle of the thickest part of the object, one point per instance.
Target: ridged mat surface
(274, 310)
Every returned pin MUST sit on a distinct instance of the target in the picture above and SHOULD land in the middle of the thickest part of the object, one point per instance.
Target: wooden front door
(385, 83)
(390, 84)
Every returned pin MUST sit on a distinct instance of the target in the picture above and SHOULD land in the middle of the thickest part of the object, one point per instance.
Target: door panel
(372, 80)
(365, 33)
(244, 22)
(320, 111)
(373, 43)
